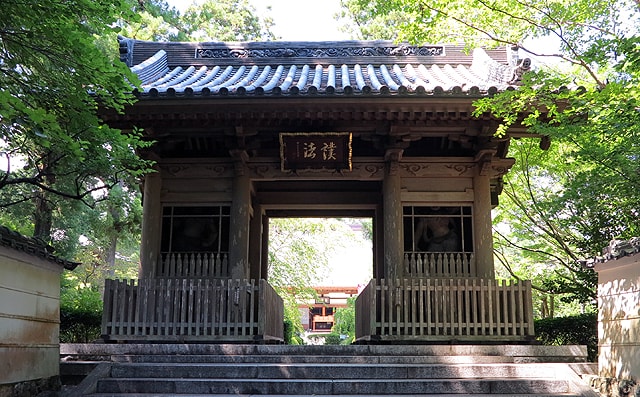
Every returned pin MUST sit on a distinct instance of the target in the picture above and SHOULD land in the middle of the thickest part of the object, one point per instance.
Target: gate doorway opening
(320, 251)
(318, 266)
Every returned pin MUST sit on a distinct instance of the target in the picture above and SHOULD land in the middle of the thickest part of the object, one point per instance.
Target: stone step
(232, 359)
(73, 372)
(324, 395)
(548, 353)
(333, 371)
(364, 370)
(332, 387)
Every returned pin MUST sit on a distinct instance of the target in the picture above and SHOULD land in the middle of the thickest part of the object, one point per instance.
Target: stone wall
(619, 325)
(29, 316)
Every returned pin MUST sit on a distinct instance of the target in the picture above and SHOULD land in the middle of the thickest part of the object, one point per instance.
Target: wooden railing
(192, 310)
(193, 265)
(270, 313)
(365, 313)
(439, 264)
(453, 309)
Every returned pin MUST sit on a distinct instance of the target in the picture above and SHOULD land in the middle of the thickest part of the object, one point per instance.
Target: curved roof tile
(322, 68)
(32, 246)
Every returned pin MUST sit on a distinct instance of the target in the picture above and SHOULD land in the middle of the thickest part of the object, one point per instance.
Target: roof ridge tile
(337, 70)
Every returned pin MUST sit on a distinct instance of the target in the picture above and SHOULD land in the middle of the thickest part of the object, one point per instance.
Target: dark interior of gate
(248, 131)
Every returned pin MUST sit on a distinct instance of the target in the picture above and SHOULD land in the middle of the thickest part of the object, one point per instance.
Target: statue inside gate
(438, 233)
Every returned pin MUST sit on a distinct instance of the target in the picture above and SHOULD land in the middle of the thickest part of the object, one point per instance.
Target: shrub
(332, 339)
(581, 329)
(80, 311)
(291, 334)
(79, 325)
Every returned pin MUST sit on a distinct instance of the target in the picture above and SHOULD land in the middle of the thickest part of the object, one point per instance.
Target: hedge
(79, 326)
(581, 329)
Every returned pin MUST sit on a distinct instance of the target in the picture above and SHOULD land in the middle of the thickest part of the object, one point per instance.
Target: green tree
(220, 20)
(345, 322)
(228, 20)
(564, 205)
(80, 309)
(62, 166)
(539, 235)
(360, 21)
(155, 21)
(53, 78)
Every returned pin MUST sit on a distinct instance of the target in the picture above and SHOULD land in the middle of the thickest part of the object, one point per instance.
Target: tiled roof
(317, 68)
(32, 246)
(615, 250)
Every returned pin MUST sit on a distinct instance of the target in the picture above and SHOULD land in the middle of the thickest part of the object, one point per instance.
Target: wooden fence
(453, 309)
(439, 264)
(190, 310)
(193, 265)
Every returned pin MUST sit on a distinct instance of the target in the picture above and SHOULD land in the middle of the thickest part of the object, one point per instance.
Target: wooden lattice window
(438, 229)
(195, 229)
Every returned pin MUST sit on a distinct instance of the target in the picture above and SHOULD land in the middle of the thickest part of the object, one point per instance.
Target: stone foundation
(30, 388)
(613, 387)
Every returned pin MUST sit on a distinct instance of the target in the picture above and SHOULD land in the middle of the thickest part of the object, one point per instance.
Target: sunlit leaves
(230, 20)
(55, 76)
(566, 203)
(227, 20)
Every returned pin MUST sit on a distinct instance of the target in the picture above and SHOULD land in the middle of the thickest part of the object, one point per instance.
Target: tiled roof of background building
(362, 68)
(32, 246)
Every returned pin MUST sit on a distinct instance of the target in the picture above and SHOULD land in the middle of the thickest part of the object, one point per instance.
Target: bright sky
(295, 22)
(293, 19)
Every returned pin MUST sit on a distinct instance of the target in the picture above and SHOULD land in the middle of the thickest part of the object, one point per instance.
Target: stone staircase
(198, 369)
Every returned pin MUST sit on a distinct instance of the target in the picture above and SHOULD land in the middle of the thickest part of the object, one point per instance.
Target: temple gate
(248, 131)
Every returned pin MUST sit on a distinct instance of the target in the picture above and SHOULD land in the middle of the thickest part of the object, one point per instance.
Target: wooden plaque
(315, 150)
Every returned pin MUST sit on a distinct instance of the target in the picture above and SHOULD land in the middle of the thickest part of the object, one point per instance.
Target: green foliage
(292, 331)
(565, 204)
(538, 235)
(98, 231)
(234, 21)
(345, 322)
(362, 23)
(53, 79)
(572, 330)
(156, 21)
(300, 248)
(569, 202)
(80, 310)
(220, 20)
(332, 339)
(79, 326)
(582, 26)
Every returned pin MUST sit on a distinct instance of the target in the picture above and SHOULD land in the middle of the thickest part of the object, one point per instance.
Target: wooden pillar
(378, 243)
(482, 226)
(264, 263)
(255, 246)
(151, 225)
(240, 217)
(392, 209)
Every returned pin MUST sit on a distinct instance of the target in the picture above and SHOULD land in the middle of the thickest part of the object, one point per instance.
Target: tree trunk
(42, 219)
(110, 256)
(544, 308)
